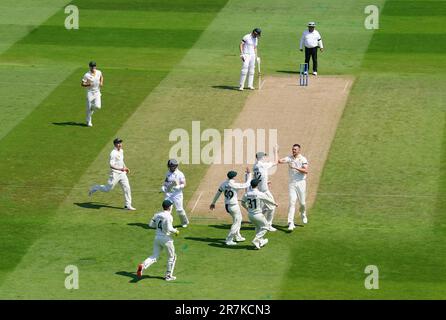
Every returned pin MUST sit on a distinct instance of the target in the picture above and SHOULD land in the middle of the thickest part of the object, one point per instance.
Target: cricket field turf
(381, 197)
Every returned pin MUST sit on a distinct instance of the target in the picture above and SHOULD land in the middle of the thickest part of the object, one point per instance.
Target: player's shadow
(228, 226)
(94, 205)
(239, 246)
(288, 71)
(134, 278)
(285, 229)
(139, 224)
(70, 123)
(223, 87)
(207, 239)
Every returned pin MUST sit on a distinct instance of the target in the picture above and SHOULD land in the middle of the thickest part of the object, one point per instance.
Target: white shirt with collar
(117, 160)
(311, 39)
(298, 162)
(249, 44)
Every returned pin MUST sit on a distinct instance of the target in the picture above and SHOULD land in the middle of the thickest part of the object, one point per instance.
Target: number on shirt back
(160, 225)
(252, 203)
(257, 175)
(229, 194)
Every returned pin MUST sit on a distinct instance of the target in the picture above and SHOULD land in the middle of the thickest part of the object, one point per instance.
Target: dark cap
(117, 140)
(92, 64)
(172, 163)
(260, 155)
(232, 174)
(167, 203)
(254, 183)
(257, 31)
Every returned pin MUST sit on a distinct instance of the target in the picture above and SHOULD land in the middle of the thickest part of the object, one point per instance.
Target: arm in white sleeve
(243, 202)
(152, 223)
(170, 227)
(217, 195)
(266, 199)
(319, 42)
(302, 42)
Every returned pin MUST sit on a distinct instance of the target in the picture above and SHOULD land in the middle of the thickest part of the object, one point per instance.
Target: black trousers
(311, 53)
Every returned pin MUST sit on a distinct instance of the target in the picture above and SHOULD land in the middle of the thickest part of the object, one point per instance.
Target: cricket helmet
(172, 163)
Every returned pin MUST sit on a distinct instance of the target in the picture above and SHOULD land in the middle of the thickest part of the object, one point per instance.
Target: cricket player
(230, 188)
(118, 174)
(261, 173)
(162, 222)
(311, 40)
(297, 184)
(93, 81)
(253, 201)
(173, 187)
(248, 54)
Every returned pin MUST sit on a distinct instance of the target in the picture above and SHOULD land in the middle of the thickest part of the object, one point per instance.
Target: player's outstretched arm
(214, 201)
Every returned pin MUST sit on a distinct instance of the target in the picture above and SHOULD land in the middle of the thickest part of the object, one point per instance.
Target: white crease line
(346, 86)
(196, 202)
(261, 84)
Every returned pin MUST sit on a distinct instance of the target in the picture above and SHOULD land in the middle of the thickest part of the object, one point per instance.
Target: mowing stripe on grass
(51, 147)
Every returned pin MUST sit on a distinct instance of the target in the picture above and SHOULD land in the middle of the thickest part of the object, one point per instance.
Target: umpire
(312, 40)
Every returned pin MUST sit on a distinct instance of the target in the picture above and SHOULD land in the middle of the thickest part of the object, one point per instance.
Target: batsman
(248, 54)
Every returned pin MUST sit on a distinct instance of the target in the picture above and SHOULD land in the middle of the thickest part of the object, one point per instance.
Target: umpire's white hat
(311, 24)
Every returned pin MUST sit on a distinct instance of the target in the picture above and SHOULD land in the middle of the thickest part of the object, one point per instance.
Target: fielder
(162, 222)
(297, 184)
(118, 174)
(92, 80)
(261, 173)
(173, 187)
(248, 54)
(230, 188)
(253, 201)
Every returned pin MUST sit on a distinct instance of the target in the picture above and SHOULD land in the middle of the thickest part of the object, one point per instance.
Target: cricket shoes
(314, 73)
(231, 243)
(304, 218)
(263, 242)
(130, 208)
(240, 89)
(291, 226)
(272, 229)
(256, 244)
(184, 226)
(240, 239)
(170, 278)
(251, 88)
(89, 124)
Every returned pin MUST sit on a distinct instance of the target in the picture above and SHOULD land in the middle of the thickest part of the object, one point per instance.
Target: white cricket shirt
(254, 201)
(298, 162)
(94, 79)
(174, 179)
(229, 189)
(249, 44)
(260, 170)
(311, 39)
(162, 222)
(117, 160)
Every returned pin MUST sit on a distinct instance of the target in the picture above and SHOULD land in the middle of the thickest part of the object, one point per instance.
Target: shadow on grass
(134, 278)
(237, 247)
(226, 87)
(94, 205)
(228, 226)
(285, 229)
(206, 239)
(70, 123)
(139, 224)
(288, 71)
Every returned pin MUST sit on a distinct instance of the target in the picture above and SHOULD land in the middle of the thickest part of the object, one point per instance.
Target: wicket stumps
(303, 74)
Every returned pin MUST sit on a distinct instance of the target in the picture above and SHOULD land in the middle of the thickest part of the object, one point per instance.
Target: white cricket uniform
(311, 39)
(173, 186)
(162, 222)
(249, 55)
(229, 188)
(93, 92)
(254, 201)
(261, 172)
(297, 185)
(117, 176)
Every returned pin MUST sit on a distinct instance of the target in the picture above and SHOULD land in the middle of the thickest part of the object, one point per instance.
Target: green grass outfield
(381, 197)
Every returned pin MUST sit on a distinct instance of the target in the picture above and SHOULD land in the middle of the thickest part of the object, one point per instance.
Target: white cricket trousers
(114, 178)
(248, 69)
(93, 103)
(261, 225)
(297, 192)
(236, 214)
(177, 200)
(160, 243)
(269, 209)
